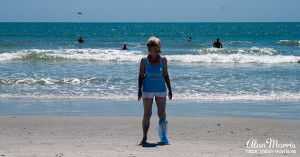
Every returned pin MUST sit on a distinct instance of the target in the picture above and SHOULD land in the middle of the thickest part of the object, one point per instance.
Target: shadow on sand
(153, 144)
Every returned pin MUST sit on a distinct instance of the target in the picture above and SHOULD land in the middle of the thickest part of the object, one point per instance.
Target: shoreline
(98, 107)
(36, 135)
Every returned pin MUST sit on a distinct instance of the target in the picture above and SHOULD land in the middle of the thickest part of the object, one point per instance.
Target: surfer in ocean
(218, 44)
(124, 47)
(80, 41)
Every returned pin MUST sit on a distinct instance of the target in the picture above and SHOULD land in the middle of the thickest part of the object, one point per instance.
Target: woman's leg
(161, 107)
(147, 102)
(163, 123)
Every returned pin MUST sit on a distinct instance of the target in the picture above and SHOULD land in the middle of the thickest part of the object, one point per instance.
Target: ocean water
(258, 64)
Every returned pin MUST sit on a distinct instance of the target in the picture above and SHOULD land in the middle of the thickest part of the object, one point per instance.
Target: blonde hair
(156, 41)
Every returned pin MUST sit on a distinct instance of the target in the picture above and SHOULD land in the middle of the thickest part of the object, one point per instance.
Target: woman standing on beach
(153, 78)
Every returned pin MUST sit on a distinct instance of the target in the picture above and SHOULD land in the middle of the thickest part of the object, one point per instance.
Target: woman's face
(152, 48)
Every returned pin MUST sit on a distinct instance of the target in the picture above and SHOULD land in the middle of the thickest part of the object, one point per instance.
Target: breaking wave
(209, 55)
(292, 43)
(284, 96)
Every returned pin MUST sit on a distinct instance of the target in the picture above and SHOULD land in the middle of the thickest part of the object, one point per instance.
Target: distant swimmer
(80, 40)
(190, 39)
(124, 47)
(217, 44)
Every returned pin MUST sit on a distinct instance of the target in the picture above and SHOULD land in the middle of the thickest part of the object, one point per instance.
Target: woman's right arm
(141, 78)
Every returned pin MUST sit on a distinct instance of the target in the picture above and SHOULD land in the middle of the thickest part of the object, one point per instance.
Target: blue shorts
(152, 94)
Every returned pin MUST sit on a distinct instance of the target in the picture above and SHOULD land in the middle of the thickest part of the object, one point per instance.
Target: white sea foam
(282, 96)
(272, 96)
(240, 42)
(91, 54)
(72, 54)
(10, 56)
(251, 51)
(210, 55)
(295, 43)
(50, 81)
(20, 81)
(233, 58)
(256, 50)
(47, 80)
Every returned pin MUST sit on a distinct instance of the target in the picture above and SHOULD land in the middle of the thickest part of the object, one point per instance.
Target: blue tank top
(154, 77)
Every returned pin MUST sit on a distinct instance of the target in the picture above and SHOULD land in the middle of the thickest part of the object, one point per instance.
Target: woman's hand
(139, 95)
(170, 95)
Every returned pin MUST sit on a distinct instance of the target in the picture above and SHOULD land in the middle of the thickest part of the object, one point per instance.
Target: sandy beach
(89, 136)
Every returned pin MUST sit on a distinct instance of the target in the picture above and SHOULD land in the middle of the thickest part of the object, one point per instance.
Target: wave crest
(250, 51)
(210, 55)
(50, 81)
(234, 58)
(281, 96)
(292, 43)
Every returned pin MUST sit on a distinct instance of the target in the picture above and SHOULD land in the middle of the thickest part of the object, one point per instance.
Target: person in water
(190, 39)
(80, 40)
(124, 47)
(153, 78)
(217, 44)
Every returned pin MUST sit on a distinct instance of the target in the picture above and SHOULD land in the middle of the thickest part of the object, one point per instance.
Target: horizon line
(148, 22)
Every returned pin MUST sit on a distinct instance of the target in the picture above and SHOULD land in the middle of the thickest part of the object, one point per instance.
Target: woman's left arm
(167, 78)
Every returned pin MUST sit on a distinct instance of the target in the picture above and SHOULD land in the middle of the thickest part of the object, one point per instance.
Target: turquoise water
(259, 63)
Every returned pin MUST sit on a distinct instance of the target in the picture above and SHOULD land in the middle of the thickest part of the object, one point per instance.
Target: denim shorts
(152, 94)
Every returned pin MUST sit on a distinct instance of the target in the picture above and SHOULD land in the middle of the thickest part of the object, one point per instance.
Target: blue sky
(150, 11)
